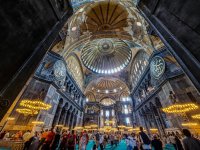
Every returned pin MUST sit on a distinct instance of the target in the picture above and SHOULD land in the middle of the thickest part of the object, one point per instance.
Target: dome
(106, 56)
(105, 16)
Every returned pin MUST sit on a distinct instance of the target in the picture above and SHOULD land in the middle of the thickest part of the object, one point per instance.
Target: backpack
(71, 140)
(145, 138)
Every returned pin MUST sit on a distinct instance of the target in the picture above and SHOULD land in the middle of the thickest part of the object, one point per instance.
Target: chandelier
(94, 126)
(180, 108)
(109, 122)
(78, 128)
(197, 116)
(26, 111)
(38, 122)
(87, 127)
(122, 126)
(189, 124)
(35, 104)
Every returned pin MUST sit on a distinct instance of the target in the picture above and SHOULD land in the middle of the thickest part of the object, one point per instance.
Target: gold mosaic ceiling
(103, 88)
(75, 69)
(106, 56)
(107, 101)
(105, 15)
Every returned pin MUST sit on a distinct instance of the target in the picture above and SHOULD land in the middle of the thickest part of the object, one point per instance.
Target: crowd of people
(66, 140)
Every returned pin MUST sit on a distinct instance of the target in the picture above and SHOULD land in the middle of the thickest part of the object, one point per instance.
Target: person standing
(43, 137)
(97, 138)
(172, 139)
(178, 143)
(71, 141)
(83, 141)
(129, 142)
(91, 145)
(156, 143)
(48, 140)
(34, 142)
(144, 140)
(56, 140)
(189, 142)
(63, 143)
(26, 138)
(101, 141)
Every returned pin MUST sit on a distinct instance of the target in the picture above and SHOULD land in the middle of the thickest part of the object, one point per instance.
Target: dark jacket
(191, 143)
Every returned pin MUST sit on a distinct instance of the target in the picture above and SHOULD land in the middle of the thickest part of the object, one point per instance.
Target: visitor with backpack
(71, 141)
(144, 140)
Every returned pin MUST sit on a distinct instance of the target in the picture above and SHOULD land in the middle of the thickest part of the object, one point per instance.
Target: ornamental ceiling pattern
(95, 20)
(106, 56)
(105, 15)
(103, 38)
(104, 89)
(75, 69)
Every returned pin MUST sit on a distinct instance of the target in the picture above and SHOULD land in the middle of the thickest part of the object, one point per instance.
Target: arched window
(138, 66)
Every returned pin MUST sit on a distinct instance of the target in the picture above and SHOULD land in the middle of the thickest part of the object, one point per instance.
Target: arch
(75, 68)
(138, 65)
(123, 94)
(90, 96)
(107, 101)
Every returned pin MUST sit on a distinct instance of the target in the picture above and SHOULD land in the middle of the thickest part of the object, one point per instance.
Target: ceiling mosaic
(75, 69)
(102, 48)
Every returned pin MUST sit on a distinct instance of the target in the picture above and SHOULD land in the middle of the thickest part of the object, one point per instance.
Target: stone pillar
(147, 127)
(57, 115)
(75, 120)
(69, 118)
(70, 121)
(64, 118)
(78, 119)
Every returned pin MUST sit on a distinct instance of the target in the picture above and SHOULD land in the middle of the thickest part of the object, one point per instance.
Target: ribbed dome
(106, 56)
(104, 16)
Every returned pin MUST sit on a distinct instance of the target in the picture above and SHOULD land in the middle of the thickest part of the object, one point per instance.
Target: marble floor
(120, 146)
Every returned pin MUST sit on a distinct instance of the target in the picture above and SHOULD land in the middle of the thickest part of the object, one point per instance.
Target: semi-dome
(106, 56)
(107, 101)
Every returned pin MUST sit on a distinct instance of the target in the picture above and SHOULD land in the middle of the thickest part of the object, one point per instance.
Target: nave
(125, 69)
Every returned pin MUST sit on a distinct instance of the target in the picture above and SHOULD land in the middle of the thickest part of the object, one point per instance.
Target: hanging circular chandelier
(35, 104)
(26, 111)
(197, 116)
(180, 108)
